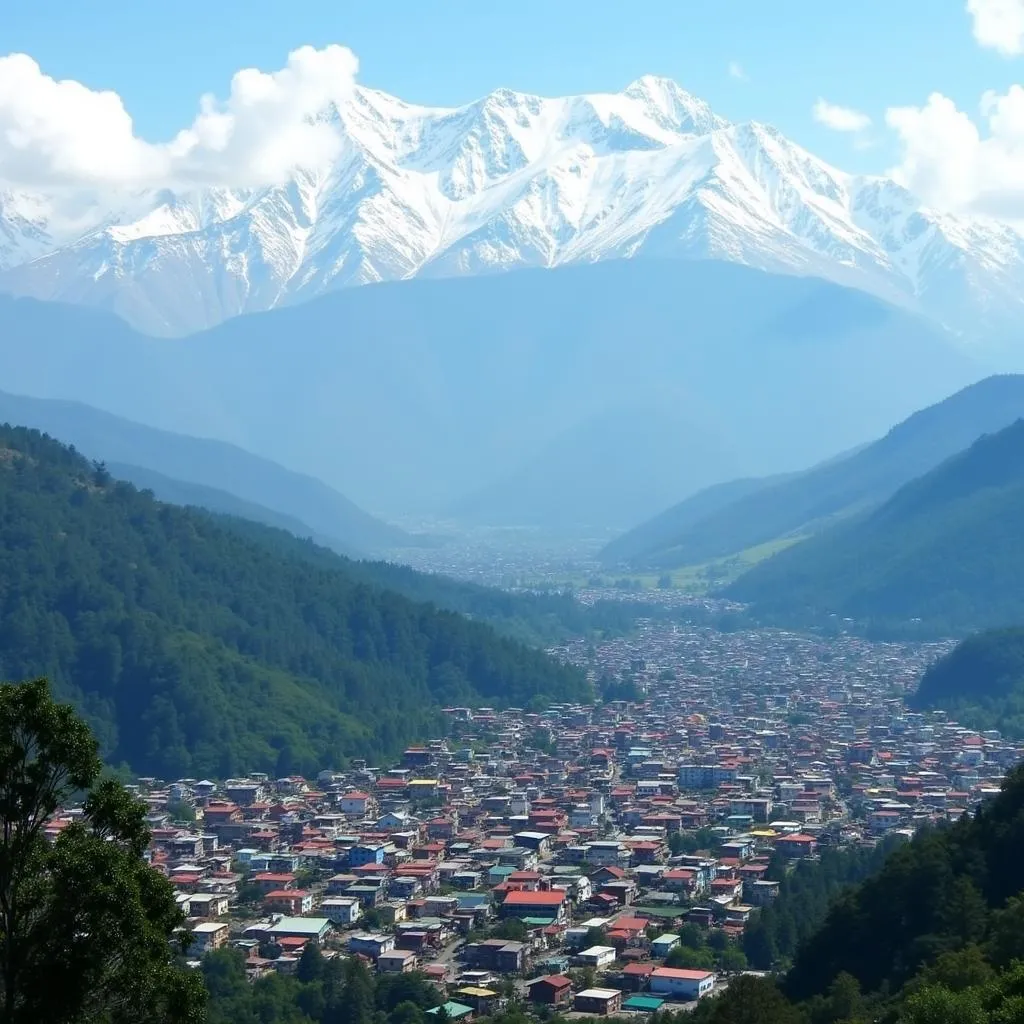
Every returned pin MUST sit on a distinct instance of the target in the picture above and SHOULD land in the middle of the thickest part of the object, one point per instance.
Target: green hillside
(540, 619)
(208, 473)
(213, 499)
(945, 555)
(950, 898)
(649, 542)
(981, 682)
(816, 499)
(193, 649)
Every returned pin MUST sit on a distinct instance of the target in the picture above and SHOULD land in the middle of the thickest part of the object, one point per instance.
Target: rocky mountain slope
(507, 182)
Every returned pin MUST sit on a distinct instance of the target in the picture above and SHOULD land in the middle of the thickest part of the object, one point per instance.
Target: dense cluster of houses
(555, 856)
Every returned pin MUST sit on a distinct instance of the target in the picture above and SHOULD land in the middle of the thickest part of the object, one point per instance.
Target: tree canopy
(86, 926)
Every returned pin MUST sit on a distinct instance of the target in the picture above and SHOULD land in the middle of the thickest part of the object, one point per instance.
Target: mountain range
(943, 556)
(729, 518)
(513, 181)
(591, 395)
(210, 474)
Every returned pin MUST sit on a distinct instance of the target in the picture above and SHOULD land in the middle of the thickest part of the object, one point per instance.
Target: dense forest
(943, 915)
(805, 893)
(944, 556)
(981, 682)
(538, 618)
(193, 649)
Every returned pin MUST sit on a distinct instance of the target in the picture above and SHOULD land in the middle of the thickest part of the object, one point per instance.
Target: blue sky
(870, 55)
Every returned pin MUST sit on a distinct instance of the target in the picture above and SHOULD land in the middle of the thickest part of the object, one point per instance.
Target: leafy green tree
(181, 811)
(311, 964)
(1006, 936)
(512, 929)
(733, 959)
(934, 1004)
(406, 1013)
(86, 926)
(751, 1000)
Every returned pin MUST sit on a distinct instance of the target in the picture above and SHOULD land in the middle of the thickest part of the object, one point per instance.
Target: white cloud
(736, 71)
(56, 133)
(998, 24)
(954, 164)
(840, 119)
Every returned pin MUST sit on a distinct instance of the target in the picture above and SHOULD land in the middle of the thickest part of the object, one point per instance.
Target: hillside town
(556, 858)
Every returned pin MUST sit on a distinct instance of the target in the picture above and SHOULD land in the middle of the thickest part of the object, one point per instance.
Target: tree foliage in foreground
(86, 926)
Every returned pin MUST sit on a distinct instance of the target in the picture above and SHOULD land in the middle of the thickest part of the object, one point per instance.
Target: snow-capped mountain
(514, 181)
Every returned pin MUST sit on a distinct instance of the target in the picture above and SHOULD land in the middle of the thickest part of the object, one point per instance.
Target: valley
(548, 556)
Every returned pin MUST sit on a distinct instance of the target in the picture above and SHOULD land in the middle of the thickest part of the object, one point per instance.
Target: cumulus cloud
(954, 164)
(736, 71)
(998, 24)
(840, 119)
(62, 133)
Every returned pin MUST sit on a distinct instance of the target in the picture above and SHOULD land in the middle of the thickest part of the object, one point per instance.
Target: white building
(596, 957)
(677, 983)
(340, 910)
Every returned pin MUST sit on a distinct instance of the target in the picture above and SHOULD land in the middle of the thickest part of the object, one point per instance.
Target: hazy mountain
(178, 492)
(514, 181)
(945, 554)
(418, 395)
(807, 502)
(650, 541)
(193, 470)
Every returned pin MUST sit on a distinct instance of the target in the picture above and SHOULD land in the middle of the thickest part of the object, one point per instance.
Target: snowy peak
(674, 109)
(510, 180)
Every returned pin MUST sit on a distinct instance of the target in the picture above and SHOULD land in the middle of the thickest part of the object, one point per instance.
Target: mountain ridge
(942, 556)
(418, 395)
(303, 503)
(745, 514)
(514, 180)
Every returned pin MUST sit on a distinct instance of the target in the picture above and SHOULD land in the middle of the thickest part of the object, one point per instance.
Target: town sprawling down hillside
(508, 562)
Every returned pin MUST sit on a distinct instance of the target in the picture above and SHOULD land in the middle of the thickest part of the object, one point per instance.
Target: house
(355, 803)
(208, 904)
(546, 907)
(643, 1004)
(366, 853)
(795, 845)
(370, 944)
(596, 957)
(397, 961)
(312, 929)
(295, 902)
(453, 1011)
(603, 1001)
(341, 910)
(485, 1001)
(664, 944)
(272, 881)
(551, 990)
(208, 935)
(678, 983)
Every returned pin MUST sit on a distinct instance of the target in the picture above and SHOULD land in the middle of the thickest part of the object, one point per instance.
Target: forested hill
(944, 555)
(540, 619)
(193, 649)
(945, 912)
(981, 682)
